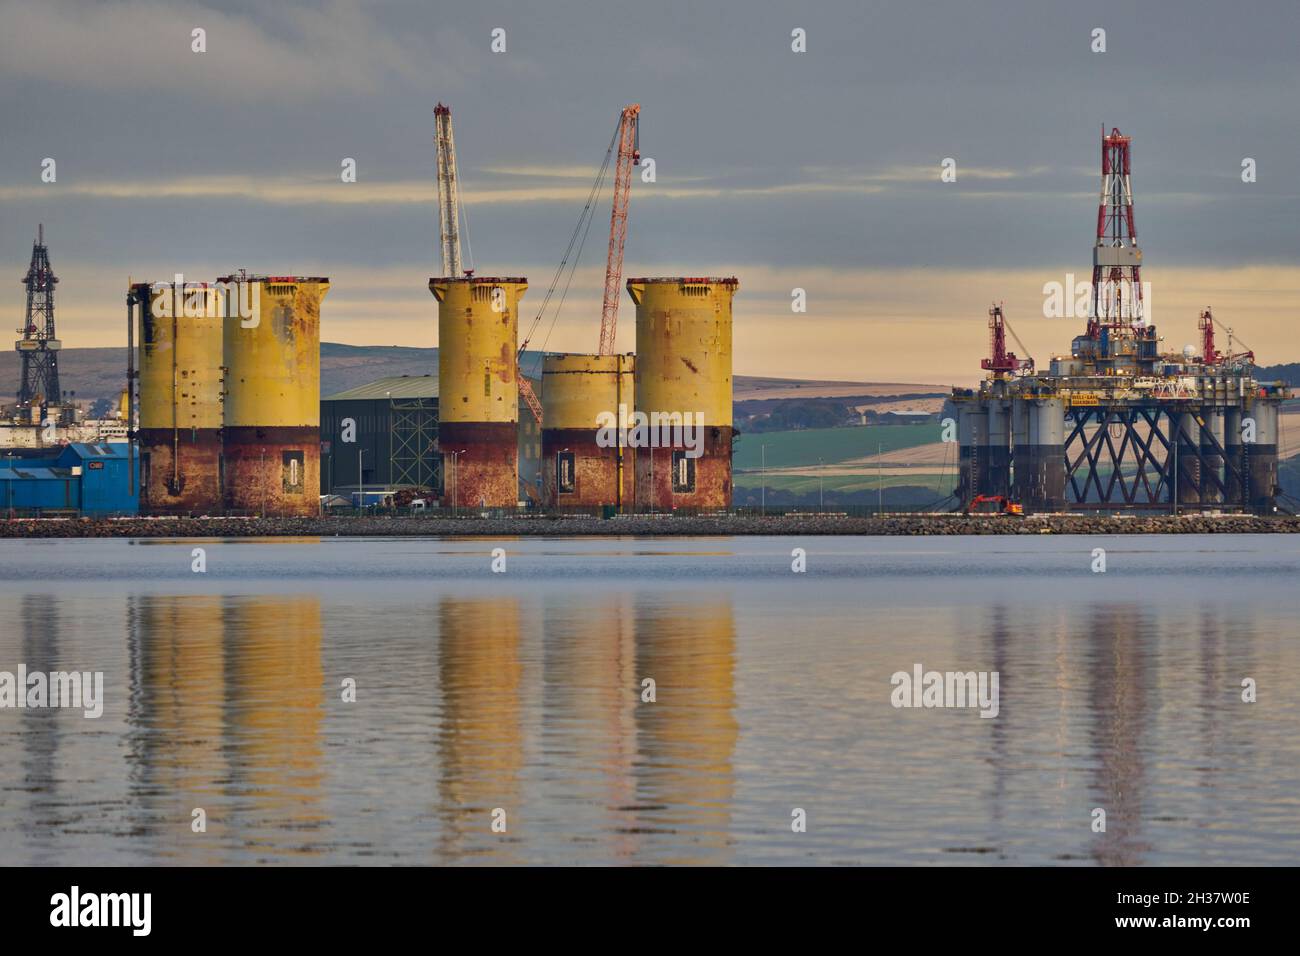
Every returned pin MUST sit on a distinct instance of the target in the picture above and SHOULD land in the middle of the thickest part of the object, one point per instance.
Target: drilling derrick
(39, 345)
(1118, 337)
(1116, 258)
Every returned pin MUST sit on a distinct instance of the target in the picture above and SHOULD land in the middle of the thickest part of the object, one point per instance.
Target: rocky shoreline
(654, 525)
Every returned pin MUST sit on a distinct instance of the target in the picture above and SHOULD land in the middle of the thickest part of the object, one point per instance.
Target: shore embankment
(650, 525)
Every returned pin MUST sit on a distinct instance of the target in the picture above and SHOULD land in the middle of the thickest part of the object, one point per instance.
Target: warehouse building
(90, 480)
(387, 433)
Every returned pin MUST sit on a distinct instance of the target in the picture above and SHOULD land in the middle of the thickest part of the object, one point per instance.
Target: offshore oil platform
(1118, 425)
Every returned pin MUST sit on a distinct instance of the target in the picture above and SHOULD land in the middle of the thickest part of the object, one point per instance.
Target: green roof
(396, 386)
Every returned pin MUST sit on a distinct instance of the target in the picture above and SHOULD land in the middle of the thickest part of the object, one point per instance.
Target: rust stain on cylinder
(196, 488)
(480, 464)
(654, 475)
(272, 470)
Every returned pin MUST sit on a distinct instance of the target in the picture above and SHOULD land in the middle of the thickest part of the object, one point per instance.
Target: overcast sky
(818, 170)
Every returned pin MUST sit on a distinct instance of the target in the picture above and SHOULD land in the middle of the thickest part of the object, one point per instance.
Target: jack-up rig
(1117, 425)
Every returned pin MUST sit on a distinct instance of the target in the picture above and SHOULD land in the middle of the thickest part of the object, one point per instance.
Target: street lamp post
(1178, 428)
(821, 484)
(762, 486)
(455, 477)
(880, 479)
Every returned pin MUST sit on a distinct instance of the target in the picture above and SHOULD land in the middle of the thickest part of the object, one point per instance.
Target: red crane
(1000, 360)
(1209, 354)
(629, 155)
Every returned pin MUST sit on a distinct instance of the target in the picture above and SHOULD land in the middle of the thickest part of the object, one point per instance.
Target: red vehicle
(1003, 504)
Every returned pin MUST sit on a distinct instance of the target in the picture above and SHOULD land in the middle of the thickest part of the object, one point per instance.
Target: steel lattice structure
(1149, 457)
(39, 345)
(412, 444)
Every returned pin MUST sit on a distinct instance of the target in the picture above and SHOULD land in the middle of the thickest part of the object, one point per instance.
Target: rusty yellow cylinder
(683, 368)
(586, 400)
(272, 397)
(478, 388)
(180, 397)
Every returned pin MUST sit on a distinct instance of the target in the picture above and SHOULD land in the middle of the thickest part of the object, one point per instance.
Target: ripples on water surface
(523, 691)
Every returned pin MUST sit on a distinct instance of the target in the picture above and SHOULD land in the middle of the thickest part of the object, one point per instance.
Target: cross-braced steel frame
(1139, 457)
(412, 443)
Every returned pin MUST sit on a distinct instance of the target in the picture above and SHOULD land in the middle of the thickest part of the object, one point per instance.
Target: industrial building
(1116, 424)
(389, 431)
(91, 480)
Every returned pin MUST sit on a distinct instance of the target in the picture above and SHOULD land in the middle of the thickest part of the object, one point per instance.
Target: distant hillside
(100, 373)
(1289, 373)
(91, 373)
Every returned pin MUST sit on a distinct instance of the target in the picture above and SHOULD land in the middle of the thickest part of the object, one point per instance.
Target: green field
(847, 484)
(831, 445)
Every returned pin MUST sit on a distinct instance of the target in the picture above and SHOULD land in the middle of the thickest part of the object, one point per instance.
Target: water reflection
(1119, 692)
(273, 727)
(685, 780)
(526, 695)
(480, 745)
(178, 707)
(591, 690)
(226, 710)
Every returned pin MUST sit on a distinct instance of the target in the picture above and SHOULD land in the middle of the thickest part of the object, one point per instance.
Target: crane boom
(628, 156)
(449, 221)
(448, 191)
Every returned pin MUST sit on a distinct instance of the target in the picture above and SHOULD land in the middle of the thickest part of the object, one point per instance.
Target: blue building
(82, 478)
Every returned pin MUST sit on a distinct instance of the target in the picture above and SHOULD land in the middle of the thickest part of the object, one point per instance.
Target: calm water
(522, 691)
